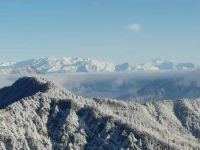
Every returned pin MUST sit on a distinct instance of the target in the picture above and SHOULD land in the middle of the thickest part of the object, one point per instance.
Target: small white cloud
(135, 27)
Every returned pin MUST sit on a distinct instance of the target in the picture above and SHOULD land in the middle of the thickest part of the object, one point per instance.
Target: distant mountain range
(70, 65)
(37, 114)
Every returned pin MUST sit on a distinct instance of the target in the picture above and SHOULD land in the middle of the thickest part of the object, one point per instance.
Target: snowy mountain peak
(123, 67)
(24, 87)
(48, 65)
(62, 65)
(159, 61)
(163, 64)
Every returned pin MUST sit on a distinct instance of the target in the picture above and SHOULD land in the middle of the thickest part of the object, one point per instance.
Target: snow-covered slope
(125, 67)
(18, 70)
(162, 65)
(38, 114)
(63, 65)
(67, 64)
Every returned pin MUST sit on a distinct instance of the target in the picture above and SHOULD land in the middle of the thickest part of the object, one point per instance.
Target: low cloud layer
(127, 86)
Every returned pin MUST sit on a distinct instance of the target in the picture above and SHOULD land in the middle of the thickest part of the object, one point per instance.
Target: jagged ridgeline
(38, 114)
(49, 65)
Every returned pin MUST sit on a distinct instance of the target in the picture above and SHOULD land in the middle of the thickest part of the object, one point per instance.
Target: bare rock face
(37, 114)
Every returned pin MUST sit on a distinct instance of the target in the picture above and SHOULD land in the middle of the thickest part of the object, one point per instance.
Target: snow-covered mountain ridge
(38, 114)
(67, 64)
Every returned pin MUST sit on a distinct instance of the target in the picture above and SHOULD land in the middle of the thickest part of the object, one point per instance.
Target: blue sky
(114, 30)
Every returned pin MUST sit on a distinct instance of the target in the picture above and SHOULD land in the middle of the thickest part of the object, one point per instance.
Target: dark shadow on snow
(58, 113)
(24, 87)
